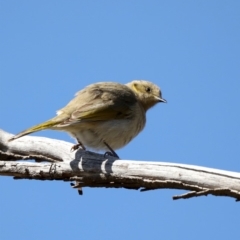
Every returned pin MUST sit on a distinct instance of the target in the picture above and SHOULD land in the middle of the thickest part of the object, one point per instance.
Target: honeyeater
(104, 115)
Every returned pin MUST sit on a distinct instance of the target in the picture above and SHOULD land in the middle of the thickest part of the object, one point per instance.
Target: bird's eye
(148, 89)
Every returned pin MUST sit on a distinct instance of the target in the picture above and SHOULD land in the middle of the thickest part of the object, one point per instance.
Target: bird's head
(147, 93)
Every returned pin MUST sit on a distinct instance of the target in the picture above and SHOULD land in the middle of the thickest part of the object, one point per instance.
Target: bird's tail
(45, 125)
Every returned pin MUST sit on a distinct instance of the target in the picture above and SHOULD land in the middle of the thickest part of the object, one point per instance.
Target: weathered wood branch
(55, 161)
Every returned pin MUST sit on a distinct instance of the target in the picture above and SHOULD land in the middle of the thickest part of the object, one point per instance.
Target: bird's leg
(111, 153)
(77, 146)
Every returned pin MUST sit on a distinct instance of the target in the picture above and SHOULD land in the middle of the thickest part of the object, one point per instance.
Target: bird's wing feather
(101, 103)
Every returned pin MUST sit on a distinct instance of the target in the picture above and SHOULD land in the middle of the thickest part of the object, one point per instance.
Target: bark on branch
(54, 161)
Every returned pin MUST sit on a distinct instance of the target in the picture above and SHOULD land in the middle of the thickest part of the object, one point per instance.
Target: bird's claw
(77, 146)
(112, 154)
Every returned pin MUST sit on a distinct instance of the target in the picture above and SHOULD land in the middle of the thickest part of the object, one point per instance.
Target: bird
(104, 115)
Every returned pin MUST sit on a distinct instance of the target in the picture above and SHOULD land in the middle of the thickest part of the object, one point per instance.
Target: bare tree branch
(90, 169)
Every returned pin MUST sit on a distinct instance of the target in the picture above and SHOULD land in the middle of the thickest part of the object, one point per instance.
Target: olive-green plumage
(104, 112)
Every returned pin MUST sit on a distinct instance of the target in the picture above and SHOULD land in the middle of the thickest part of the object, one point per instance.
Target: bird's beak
(161, 99)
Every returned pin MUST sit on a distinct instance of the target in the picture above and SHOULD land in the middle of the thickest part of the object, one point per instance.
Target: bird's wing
(101, 102)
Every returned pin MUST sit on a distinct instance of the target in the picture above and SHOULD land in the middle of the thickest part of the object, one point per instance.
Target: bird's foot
(77, 146)
(111, 152)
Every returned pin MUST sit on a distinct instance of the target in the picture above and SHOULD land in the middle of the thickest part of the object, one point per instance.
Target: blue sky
(51, 49)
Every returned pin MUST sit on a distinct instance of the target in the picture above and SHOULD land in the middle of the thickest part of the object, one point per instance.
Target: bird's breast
(116, 133)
